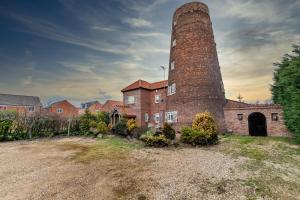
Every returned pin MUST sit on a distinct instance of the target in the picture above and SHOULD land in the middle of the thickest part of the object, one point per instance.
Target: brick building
(62, 108)
(20, 103)
(195, 85)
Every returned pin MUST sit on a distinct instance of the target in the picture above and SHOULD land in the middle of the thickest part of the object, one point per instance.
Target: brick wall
(68, 109)
(274, 128)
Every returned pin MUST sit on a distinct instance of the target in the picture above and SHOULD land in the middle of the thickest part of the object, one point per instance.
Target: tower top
(190, 7)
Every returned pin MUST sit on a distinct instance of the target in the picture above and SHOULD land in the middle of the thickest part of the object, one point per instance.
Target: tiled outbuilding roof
(146, 85)
(19, 100)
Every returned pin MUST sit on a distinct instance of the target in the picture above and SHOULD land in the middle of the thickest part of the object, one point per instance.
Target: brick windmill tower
(195, 82)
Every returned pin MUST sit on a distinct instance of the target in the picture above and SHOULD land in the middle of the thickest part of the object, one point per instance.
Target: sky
(90, 50)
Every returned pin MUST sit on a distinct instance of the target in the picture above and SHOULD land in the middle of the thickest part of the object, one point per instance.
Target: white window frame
(60, 110)
(172, 89)
(174, 43)
(157, 98)
(146, 117)
(171, 117)
(157, 117)
(31, 109)
(129, 100)
(172, 65)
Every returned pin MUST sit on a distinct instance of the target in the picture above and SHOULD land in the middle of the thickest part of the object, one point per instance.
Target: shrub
(85, 120)
(93, 124)
(196, 137)
(139, 131)
(168, 131)
(103, 117)
(204, 122)
(102, 128)
(154, 140)
(120, 128)
(131, 125)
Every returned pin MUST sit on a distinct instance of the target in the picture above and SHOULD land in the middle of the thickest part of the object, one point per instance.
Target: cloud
(138, 22)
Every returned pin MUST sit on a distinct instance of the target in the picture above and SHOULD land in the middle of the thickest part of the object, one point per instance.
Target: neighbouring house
(63, 108)
(93, 106)
(20, 103)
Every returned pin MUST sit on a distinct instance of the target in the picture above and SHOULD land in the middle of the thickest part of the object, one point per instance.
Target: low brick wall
(274, 128)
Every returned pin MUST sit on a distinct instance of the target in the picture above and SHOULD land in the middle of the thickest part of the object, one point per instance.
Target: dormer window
(174, 43)
(172, 65)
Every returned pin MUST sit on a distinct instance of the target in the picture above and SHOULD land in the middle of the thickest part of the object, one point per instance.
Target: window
(240, 117)
(171, 117)
(274, 116)
(129, 100)
(172, 89)
(157, 118)
(59, 110)
(30, 108)
(175, 22)
(146, 117)
(157, 98)
(174, 43)
(3, 108)
(172, 65)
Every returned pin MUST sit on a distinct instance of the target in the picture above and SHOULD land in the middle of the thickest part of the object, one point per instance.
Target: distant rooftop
(19, 100)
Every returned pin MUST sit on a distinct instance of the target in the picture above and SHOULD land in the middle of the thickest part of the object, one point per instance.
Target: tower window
(157, 118)
(175, 22)
(146, 117)
(30, 108)
(172, 89)
(172, 65)
(174, 43)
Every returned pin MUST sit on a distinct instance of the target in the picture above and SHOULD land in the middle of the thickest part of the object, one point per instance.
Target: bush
(139, 131)
(195, 137)
(120, 128)
(154, 141)
(102, 128)
(131, 125)
(103, 117)
(168, 131)
(85, 120)
(204, 122)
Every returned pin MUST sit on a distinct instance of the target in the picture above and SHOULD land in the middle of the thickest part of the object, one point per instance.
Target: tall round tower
(195, 82)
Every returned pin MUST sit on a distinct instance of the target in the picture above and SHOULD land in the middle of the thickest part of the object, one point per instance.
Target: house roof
(236, 104)
(111, 104)
(19, 100)
(61, 101)
(146, 85)
(90, 103)
(125, 110)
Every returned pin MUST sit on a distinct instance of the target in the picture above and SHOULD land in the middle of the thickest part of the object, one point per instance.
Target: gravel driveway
(42, 169)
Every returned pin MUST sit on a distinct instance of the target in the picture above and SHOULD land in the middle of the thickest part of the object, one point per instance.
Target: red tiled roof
(146, 85)
(126, 110)
(235, 104)
(111, 104)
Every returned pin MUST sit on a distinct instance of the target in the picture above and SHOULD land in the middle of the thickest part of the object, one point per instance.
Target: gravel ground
(43, 170)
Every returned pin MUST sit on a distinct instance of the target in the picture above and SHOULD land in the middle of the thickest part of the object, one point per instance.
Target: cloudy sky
(86, 50)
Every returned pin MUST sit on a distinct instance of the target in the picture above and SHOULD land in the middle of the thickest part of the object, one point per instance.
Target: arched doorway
(257, 124)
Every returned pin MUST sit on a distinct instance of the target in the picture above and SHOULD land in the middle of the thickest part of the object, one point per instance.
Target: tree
(286, 90)
(103, 117)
